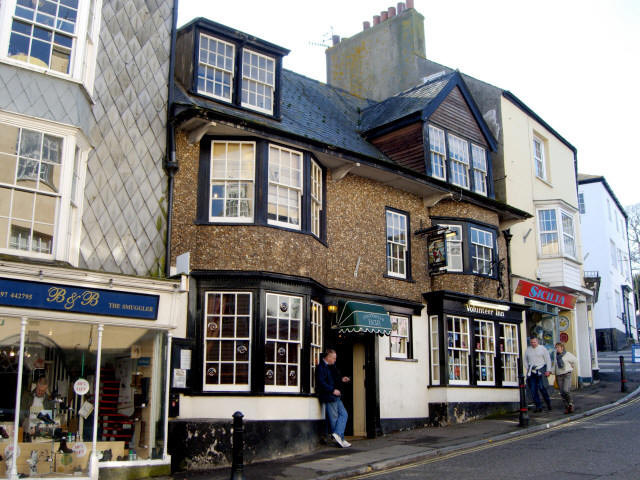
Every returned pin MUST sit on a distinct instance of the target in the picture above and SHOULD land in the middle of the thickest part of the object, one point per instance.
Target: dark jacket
(328, 378)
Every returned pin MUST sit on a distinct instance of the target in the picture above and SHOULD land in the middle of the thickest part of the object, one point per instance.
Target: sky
(576, 63)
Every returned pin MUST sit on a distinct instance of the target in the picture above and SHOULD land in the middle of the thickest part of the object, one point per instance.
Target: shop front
(475, 356)
(83, 365)
(550, 317)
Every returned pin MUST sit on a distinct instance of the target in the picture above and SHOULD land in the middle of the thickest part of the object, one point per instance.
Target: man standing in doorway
(329, 383)
(537, 363)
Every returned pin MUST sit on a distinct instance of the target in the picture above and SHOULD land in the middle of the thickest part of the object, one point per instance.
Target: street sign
(635, 353)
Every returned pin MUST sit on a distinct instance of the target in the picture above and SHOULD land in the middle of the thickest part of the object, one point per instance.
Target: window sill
(396, 359)
(234, 105)
(545, 181)
(409, 279)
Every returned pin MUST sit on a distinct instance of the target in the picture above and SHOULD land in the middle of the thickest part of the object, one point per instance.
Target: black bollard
(237, 468)
(623, 377)
(524, 411)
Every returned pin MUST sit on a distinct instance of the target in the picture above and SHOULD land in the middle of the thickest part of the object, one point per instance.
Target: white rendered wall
(598, 230)
(253, 408)
(403, 384)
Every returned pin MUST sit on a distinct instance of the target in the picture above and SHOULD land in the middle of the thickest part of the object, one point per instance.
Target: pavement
(330, 462)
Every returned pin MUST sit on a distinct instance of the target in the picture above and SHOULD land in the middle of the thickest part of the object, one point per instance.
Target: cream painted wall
(253, 408)
(403, 384)
(524, 190)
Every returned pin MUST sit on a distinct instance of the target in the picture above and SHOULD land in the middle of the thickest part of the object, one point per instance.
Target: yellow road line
(491, 444)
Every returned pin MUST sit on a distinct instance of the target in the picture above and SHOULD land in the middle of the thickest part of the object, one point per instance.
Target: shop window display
(56, 411)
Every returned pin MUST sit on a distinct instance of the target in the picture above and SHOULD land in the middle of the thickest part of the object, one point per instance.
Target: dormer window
(215, 67)
(258, 81)
(229, 67)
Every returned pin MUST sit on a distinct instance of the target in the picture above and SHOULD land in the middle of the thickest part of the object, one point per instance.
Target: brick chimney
(382, 60)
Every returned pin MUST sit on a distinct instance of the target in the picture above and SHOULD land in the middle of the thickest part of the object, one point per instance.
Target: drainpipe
(507, 238)
(171, 165)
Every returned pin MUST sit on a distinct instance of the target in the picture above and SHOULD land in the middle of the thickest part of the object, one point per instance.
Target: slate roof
(405, 103)
(310, 109)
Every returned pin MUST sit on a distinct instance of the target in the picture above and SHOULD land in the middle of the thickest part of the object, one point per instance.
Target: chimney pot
(391, 11)
(409, 3)
(401, 7)
(335, 39)
(366, 25)
(376, 20)
(384, 16)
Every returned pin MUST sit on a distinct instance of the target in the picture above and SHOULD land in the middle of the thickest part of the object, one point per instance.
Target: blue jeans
(536, 383)
(337, 416)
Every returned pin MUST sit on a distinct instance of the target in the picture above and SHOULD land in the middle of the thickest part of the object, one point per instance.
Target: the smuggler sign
(68, 298)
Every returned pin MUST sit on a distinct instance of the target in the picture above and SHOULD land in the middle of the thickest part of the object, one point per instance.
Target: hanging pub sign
(436, 251)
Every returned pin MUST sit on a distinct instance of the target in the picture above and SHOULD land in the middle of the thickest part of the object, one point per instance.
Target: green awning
(356, 317)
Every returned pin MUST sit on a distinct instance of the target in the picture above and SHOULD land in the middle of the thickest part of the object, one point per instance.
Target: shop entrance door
(359, 391)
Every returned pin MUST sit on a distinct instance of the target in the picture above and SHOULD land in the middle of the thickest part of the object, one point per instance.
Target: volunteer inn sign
(68, 298)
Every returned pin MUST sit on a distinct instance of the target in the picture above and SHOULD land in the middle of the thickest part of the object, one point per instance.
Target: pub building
(307, 218)
(83, 369)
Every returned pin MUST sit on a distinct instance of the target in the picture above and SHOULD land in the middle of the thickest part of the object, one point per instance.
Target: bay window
(553, 224)
(41, 171)
(283, 341)
(227, 341)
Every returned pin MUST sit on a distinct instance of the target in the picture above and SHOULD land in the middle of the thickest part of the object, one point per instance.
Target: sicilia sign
(546, 295)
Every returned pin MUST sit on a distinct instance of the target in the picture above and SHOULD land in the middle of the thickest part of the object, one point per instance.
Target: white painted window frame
(459, 156)
(396, 337)
(278, 184)
(480, 169)
(220, 387)
(400, 247)
(453, 242)
(215, 68)
(437, 152)
(478, 248)
(247, 78)
(463, 349)
(316, 340)
(227, 180)
(435, 349)
(488, 353)
(539, 158)
(82, 64)
(510, 353)
(316, 198)
(285, 388)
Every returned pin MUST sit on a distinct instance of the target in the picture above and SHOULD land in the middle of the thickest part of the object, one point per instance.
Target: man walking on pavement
(537, 363)
(328, 386)
(564, 365)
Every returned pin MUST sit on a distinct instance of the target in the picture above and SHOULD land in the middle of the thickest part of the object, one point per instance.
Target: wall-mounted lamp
(332, 308)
